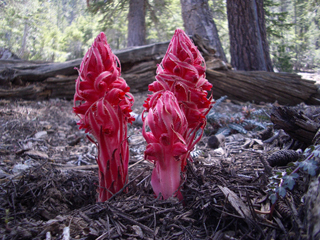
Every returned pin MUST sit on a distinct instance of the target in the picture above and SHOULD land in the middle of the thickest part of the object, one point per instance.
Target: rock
(216, 141)
(18, 168)
(41, 135)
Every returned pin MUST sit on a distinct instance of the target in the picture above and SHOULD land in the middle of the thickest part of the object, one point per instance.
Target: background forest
(60, 30)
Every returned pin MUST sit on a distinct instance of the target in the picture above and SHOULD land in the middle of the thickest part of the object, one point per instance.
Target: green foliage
(52, 30)
(312, 156)
(309, 166)
(283, 57)
(60, 30)
(283, 181)
(241, 122)
(237, 127)
(289, 180)
(276, 18)
(277, 25)
(293, 34)
(255, 123)
(112, 20)
(219, 12)
(162, 19)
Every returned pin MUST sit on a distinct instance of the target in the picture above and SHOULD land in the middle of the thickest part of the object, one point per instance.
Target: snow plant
(170, 140)
(103, 103)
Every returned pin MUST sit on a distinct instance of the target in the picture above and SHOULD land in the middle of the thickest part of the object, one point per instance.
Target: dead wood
(56, 80)
(30, 72)
(295, 123)
(24, 71)
(259, 86)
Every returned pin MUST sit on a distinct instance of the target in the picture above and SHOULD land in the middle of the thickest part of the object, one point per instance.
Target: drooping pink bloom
(166, 148)
(103, 103)
(182, 72)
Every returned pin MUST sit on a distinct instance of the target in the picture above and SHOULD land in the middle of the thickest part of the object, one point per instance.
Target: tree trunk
(197, 19)
(248, 42)
(24, 39)
(136, 23)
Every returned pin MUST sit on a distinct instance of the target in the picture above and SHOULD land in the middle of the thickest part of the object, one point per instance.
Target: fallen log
(30, 72)
(24, 71)
(295, 123)
(30, 92)
(260, 86)
(139, 68)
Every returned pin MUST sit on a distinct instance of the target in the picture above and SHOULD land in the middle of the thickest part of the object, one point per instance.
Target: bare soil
(48, 177)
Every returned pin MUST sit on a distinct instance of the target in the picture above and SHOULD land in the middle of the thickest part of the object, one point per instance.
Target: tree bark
(248, 42)
(136, 23)
(262, 86)
(24, 39)
(197, 19)
(295, 123)
(32, 80)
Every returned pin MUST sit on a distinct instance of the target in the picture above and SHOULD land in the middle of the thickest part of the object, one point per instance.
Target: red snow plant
(181, 72)
(103, 103)
(166, 147)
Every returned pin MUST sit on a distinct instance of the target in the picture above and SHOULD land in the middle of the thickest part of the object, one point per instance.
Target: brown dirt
(48, 177)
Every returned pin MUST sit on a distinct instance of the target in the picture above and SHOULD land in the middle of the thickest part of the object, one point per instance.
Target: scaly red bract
(166, 148)
(103, 103)
(182, 72)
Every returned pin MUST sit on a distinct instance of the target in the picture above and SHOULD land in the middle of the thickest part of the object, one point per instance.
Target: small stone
(41, 135)
(138, 231)
(216, 141)
(18, 168)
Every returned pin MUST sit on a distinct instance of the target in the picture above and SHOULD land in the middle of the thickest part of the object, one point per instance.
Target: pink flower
(182, 72)
(166, 147)
(103, 103)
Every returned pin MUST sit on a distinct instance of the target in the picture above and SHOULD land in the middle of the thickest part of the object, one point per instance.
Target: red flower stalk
(166, 148)
(182, 72)
(103, 103)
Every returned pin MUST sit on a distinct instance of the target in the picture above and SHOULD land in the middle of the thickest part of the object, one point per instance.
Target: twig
(267, 167)
(124, 187)
(144, 227)
(294, 211)
(136, 163)
(222, 213)
(157, 213)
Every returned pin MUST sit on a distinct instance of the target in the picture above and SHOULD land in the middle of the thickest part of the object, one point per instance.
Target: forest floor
(49, 178)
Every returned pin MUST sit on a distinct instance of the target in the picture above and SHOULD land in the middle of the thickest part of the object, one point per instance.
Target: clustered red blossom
(103, 103)
(181, 72)
(166, 147)
(175, 122)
